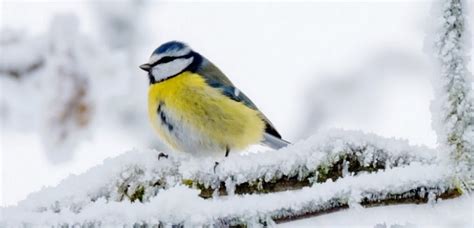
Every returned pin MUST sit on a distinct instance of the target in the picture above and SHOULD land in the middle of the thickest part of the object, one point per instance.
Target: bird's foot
(162, 155)
(215, 166)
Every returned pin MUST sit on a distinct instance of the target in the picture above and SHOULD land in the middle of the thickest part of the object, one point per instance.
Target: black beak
(145, 67)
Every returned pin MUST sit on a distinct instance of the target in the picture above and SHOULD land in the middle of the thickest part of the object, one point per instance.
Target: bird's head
(168, 60)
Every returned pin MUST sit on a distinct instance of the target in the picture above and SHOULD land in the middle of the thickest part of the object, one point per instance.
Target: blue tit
(196, 109)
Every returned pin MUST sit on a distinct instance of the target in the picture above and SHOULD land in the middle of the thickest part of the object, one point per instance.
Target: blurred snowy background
(72, 94)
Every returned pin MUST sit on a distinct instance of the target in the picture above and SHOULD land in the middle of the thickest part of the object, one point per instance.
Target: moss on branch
(349, 162)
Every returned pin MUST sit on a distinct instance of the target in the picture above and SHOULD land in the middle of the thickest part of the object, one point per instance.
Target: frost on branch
(326, 156)
(20, 55)
(45, 82)
(453, 107)
(144, 188)
(68, 98)
(413, 183)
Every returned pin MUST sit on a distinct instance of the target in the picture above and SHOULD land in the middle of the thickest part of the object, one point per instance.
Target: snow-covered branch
(415, 183)
(20, 56)
(453, 106)
(403, 173)
(328, 155)
(70, 105)
(58, 85)
(47, 80)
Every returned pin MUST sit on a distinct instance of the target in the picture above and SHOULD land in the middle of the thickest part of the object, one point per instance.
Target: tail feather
(274, 142)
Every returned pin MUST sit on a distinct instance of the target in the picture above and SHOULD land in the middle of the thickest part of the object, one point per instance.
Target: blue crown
(170, 46)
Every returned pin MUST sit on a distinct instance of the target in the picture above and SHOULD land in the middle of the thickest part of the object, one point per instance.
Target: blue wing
(215, 78)
(233, 93)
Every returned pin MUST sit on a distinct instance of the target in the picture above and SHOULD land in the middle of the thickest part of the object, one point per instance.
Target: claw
(215, 166)
(227, 150)
(162, 155)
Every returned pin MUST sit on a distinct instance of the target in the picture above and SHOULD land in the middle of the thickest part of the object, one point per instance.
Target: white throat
(166, 70)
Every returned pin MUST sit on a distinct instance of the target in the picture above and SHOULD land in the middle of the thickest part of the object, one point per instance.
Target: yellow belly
(202, 118)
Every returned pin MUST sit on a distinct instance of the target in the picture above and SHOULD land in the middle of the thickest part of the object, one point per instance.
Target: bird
(196, 109)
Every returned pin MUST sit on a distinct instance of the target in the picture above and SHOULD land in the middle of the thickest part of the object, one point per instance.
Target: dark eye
(166, 59)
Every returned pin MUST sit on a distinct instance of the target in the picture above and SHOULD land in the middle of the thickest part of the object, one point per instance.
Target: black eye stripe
(168, 59)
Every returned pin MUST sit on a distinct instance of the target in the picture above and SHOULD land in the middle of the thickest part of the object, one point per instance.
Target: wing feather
(215, 78)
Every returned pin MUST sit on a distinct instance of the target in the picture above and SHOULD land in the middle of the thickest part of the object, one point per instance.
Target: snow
(453, 106)
(181, 205)
(98, 194)
(61, 75)
(143, 167)
(36, 171)
(23, 55)
(69, 108)
(445, 213)
(301, 158)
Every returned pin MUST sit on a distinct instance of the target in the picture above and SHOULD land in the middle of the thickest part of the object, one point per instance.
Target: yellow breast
(200, 118)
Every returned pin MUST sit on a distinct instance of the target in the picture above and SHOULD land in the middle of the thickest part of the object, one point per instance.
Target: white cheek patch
(236, 92)
(166, 70)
